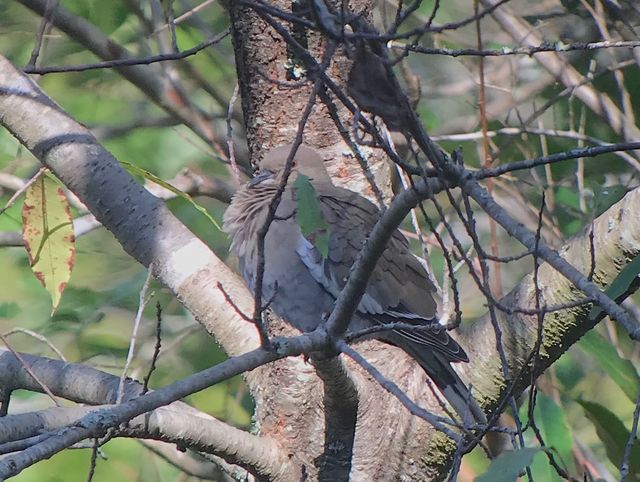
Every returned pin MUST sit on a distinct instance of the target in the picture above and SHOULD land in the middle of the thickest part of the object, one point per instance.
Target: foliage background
(93, 322)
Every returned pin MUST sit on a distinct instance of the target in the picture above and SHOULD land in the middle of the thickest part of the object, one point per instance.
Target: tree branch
(177, 423)
(147, 230)
(96, 422)
(190, 463)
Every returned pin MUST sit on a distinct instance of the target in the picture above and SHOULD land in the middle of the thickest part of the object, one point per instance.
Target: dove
(305, 273)
(375, 89)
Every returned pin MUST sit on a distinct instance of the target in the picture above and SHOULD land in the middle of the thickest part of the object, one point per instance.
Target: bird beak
(260, 176)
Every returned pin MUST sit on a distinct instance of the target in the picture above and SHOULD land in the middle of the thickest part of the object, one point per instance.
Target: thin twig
(156, 348)
(45, 25)
(592, 151)
(396, 391)
(185, 16)
(557, 47)
(142, 303)
(94, 459)
(28, 369)
(38, 337)
(24, 187)
(107, 64)
(271, 214)
(631, 442)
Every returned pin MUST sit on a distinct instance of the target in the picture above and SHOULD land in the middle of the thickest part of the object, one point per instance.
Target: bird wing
(399, 288)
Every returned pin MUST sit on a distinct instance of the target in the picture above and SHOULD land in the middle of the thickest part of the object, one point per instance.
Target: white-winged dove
(303, 284)
(375, 89)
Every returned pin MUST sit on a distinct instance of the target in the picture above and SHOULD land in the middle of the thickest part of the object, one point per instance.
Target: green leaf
(614, 436)
(508, 466)
(167, 7)
(621, 371)
(555, 431)
(620, 285)
(138, 171)
(605, 197)
(547, 413)
(569, 371)
(9, 309)
(567, 197)
(309, 215)
(571, 227)
(47, 230)
(107, 16)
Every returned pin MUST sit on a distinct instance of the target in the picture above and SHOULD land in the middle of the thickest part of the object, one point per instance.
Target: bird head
(306, 161)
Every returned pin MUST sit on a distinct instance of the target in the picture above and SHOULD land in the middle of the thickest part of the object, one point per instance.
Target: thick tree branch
(147, 230)
(528, 239)
(177, 422)
(341, 412)
(187, 181)
(95, 423)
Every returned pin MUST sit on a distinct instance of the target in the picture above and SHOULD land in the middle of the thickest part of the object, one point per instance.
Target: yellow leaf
(47, 231)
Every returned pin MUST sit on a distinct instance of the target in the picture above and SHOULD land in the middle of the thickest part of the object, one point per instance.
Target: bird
(303, 275)
(374, 87)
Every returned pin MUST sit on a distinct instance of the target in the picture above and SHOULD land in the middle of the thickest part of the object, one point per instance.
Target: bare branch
(598, 102)
(96, 422)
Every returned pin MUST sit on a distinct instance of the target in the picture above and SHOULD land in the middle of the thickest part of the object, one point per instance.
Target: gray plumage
(303, 285)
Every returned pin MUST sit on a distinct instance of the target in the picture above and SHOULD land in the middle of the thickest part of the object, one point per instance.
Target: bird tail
(440, 371)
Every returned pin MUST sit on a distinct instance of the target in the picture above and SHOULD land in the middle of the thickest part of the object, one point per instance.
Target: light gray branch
(528, 239)
(147, 230)
(95, 423)
(176, 423)
(189, 462)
